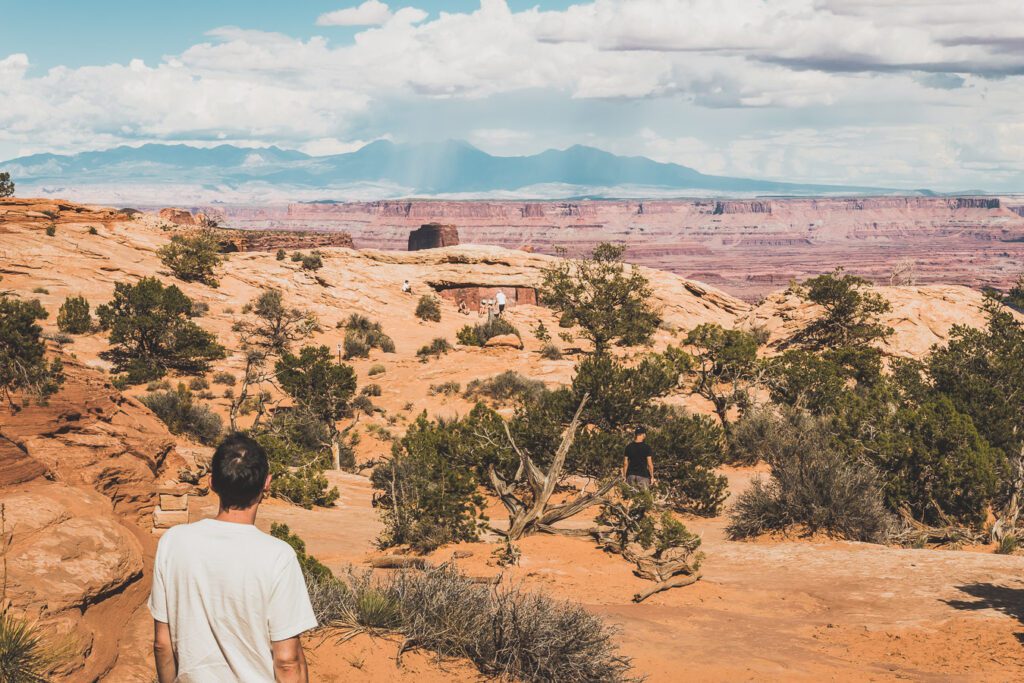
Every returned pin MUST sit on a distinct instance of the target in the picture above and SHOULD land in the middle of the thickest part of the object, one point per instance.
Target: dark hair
(239, 470)
(639, 430)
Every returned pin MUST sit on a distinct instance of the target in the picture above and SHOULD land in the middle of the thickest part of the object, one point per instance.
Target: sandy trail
(771, 610)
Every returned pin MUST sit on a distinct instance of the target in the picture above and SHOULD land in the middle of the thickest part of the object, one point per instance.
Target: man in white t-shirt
(229, 602)
(499, 299)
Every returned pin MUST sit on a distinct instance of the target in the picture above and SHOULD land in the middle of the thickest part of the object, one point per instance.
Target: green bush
(313, 569)
(40, 290)
(313, 261)
(193, 258)
(428, 308)
(370, 390)
(23, 365)
(814, 486)
(6, 185)
(296, 256)
(281, 253)
(73, 316)
(225, 378)
(25, 656)
(550, 352)
(427, 498)
(363, 404)
(477, 335)
(363, 334)
(298, 448)
(449, 388)
(150, 332)
(182, 416)
(93, 231)
(509, 385)
(198, 384)
(51, 230)
(436, 348)
(376, 369)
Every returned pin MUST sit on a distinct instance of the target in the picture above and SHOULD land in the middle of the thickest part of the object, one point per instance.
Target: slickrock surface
(79, 477)
(745, 247)
(921, 316)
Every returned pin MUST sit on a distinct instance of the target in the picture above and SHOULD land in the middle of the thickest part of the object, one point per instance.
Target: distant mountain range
(450, 169)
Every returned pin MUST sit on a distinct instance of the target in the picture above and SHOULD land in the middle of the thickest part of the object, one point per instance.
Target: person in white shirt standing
(229, 602)
(499, 298)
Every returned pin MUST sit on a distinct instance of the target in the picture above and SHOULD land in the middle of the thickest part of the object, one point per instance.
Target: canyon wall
(746, 247)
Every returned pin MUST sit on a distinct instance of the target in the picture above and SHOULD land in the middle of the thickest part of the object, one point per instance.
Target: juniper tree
(23, 365)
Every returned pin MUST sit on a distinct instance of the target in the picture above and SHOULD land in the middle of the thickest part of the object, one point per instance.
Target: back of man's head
(239, 471)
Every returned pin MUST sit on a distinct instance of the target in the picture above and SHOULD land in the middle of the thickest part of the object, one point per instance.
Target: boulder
(178, 216)
(509, 341)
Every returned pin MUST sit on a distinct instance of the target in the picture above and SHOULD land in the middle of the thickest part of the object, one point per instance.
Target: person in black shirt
(638, 464)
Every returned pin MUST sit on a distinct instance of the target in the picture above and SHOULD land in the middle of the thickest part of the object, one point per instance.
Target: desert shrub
(436, 348)
(193, 258)
(73, 316)
(281, 254)
(541, 333)
(40, 290)
(225, 378)
(370, 390)
(376, 369)
(363, 404)
(477, 335)
(6, 185)
(182, 415)
(25, 655)
(150, 332)
(298, 448)
(507, 631)
(229, 393)
(161, 385)
(51, 230)
(550, 352)
(509, 385)
(60, 338)
(23, 364)
(598, 294)
(356, 346)
(313, 569)
(199, 309)
(363, 334)
(427, 497)
(198, 384)
(296, 256)
(92, 230)
(449, 388)
(429, 308)
(313, 261)
(815, 486)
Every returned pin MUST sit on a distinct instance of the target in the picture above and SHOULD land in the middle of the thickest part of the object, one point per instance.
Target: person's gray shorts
(638, 481)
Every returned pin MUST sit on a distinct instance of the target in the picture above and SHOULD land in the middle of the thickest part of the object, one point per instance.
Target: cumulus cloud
(370, 13)
(938, 79)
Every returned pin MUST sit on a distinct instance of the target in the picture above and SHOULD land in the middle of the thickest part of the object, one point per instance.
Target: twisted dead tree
(662, 549)
(533, 512)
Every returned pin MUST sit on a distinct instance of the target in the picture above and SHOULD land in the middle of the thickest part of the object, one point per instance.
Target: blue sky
(870, 92)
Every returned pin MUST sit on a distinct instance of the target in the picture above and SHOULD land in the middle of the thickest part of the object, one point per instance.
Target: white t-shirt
(500, 298)
(227, 591)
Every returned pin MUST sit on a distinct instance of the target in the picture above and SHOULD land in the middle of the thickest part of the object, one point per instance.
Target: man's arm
(625, 466)
(650, 467)
(289, 661)
(163, 653)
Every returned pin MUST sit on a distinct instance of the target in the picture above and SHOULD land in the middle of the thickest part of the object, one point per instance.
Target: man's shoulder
(186, 534)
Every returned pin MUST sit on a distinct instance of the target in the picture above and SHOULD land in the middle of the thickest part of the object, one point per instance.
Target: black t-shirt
(637, 454)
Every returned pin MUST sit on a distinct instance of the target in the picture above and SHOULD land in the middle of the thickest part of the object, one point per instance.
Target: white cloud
(370, 13)
(923, 91)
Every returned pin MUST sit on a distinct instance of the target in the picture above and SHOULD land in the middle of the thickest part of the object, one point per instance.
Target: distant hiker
(638, 464)
(463, 309)
(499, 298)
(406, 287)
(228, 601)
